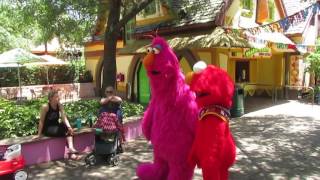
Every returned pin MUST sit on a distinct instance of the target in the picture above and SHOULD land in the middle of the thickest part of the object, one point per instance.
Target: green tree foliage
(69, 20)
(14, 32)
(314, 63)
(25, 22)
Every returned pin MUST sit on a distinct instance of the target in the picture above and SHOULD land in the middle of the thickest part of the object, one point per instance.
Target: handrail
(274, 94)
(303, 87)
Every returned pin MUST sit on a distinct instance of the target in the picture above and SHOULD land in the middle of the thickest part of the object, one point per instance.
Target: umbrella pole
(20, 89)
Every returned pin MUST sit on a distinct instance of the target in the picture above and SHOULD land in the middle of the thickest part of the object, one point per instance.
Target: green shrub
(22, 120)
(38, 75)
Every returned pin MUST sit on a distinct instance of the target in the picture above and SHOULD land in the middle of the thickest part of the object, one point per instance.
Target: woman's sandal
(73, 152)
(75, 157)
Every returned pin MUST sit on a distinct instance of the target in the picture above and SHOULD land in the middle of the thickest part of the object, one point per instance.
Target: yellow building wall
(223, 61)
(94, 47)
(253, 71)
(123, 64)
(265, 71)
(232, 69)
(149, 21)
(91, 65)
(205, 56)
(279, 64)
(185, 67)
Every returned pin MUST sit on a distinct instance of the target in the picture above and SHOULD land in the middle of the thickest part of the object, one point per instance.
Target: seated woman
(110, 110)
(49, 124)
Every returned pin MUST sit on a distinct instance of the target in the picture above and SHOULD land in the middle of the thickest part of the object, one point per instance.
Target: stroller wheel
(20, 175)
(91, 159)
(114, 160)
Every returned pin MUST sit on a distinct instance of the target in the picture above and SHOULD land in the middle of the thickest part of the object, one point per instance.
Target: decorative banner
(280, 47)
(283, 24)
(306, 48)
(255, 52)
(280, 26)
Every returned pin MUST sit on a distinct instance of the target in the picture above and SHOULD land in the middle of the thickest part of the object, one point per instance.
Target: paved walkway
(278, 142)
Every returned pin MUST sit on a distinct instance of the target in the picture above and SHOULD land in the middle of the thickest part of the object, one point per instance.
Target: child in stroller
(109, 130)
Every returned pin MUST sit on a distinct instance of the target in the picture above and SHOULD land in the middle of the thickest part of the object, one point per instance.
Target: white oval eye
(149, 49)
(199, 66)
(155, 50)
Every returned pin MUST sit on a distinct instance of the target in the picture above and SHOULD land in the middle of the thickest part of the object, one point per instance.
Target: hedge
(38, 75)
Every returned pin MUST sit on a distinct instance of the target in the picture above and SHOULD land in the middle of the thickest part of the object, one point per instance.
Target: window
(129, 34)
(150, 9)
(242, 71)
(247, 4)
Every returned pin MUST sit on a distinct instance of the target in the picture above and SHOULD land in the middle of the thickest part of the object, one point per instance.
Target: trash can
(237, 109)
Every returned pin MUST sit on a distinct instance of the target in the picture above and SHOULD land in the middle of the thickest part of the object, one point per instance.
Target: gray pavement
(278, 142)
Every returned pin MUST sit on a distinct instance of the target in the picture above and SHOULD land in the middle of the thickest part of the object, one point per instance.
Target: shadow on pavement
(68, 169)
(253, 103)
(276, 147)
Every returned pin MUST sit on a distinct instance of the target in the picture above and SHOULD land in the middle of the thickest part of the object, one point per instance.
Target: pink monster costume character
(170, 120)
(213, 149)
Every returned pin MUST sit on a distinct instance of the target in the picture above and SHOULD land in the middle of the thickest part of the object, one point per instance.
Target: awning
(216, 38)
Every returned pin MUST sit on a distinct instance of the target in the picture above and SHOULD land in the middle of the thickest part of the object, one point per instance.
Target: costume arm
(192, 160)
(214, 134)
(147, 122)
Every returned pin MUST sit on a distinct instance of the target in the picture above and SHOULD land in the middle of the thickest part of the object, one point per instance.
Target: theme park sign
(255, 52)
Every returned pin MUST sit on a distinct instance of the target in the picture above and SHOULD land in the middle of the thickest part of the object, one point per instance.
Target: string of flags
(280, 26)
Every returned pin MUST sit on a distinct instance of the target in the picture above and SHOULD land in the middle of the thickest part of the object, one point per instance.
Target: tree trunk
(111, 35)
(110, 45)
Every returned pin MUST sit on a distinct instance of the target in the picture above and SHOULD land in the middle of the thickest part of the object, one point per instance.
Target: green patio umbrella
(16, 58)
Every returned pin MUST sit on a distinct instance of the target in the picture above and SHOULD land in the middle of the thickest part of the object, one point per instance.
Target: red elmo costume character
(213, 149)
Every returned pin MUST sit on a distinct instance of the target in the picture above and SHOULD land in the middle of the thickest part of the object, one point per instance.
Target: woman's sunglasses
(109, 91)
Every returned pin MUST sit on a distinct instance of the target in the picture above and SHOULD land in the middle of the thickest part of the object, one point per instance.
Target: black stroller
(107, 145)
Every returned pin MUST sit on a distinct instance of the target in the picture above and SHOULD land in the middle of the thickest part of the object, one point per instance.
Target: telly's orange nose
(148, 60)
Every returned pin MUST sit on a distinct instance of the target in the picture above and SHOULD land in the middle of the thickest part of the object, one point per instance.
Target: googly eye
(155, 50)
(149, 49)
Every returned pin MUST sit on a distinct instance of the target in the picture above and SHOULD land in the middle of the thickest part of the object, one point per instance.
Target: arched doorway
(139, 87)
(143, 85)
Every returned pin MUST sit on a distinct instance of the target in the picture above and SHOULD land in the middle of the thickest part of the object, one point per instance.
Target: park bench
(47, 149)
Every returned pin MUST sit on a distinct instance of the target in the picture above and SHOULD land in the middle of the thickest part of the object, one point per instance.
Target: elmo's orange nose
(148, 60)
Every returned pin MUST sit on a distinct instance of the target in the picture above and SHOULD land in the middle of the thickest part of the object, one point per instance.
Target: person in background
(110, 115)
(111, 103)
(50, 126)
